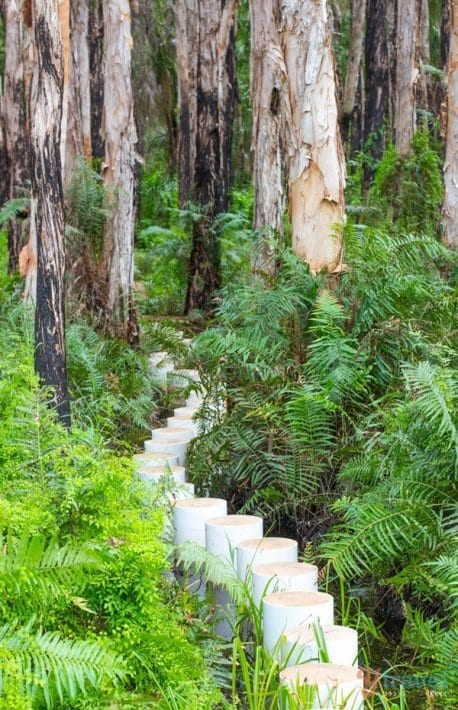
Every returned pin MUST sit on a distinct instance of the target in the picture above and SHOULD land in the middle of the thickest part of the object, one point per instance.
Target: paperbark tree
(17, 168)
(269, 99)
(406, 74)
(78, 134)
(119, 135)
(351, 118)
(47, 190)
(450, 207)
(316, 165)
(215, 92)
(378, 75)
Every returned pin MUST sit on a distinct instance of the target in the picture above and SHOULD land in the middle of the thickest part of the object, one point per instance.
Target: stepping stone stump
(283, 610)
(154, 474)
(182, 433)
(303, 644)
(329, 686)
(283, 577)
(173, 447)
(150, 459)
(262, 550)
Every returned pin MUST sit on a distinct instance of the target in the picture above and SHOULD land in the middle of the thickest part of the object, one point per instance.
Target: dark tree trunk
(212, 173)
(47, 191)
(377, 80)
(445, 32)
(96, 44)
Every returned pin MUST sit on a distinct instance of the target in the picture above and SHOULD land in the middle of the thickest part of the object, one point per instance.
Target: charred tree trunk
(378, 80)
(47, 189)
(117, 262)
(78, 134)
(350, 116)
(316, 165)
(406, 75)
(451, 158)
(15, 122)
(96, 44)
(212, 173)
(422, 93)
(187, 47)
(445, 31)
(268, 97)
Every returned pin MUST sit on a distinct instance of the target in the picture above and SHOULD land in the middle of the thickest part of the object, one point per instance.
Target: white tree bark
(406, 75)
(316, 165)
(78, 134)
(450, 207)
(117, 264)
(269, 93)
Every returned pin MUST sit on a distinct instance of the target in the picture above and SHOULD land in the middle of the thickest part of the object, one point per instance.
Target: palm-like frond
(52, 667)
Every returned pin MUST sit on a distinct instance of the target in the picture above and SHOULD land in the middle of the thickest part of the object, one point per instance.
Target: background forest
(279, 182)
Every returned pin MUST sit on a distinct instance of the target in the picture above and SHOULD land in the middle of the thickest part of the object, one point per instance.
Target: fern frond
(217, 570)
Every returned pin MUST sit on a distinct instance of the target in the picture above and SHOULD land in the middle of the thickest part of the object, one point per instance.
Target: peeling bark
(269, 93)
(316, 166)
(212, 173)
(450, 207)
(119, 133)
(17, 168)
(406, 75)
(47, 190)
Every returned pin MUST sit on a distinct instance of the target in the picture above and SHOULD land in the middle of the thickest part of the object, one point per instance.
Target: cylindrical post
(222, 534)
(153, 474)
(185, 411)
(175, 447)
(283, 577)
(268, 549)
(302, 644)
(181, 433)
(190, 517)
(149, 459)
(326, 685)
(183, 422)
(284, 609)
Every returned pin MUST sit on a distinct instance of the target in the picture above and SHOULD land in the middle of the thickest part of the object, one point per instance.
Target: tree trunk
(424, 55)
(15, 122)
(354, 66)
(117, 262)
(46, 116)
(451, 158)
(316, 165)
(406, 75)
(378, 80)
(268, 96)
(187, 48)
(445, 31)
(78, 134)
(96, 44)
(216, 91)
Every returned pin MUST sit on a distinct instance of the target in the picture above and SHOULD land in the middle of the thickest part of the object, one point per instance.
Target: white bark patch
(450, 207)
(315, 155)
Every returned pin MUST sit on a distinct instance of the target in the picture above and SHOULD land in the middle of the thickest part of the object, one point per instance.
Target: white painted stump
(183, 422)
(158, 358)
(150, 459)
(179, 433)
(328, 685)
(190, 517)
(185, 411)
(268, 549)
(153, 474)
(283, 577)
(301, 645)
(222, 534)
(287, 609)
(175, 447)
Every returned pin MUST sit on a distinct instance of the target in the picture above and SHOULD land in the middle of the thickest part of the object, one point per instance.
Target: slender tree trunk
(14, 117)
(445, 31)
(378, 80)
(451, 158)
(96, 44)
(187, 47)
(216, 92)
(424, 55)
(354, 66)
(316, 165)
(268, 95)
(78, 134)
(28, 258)
(47, 189)
(406, 75)
(117, 262)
